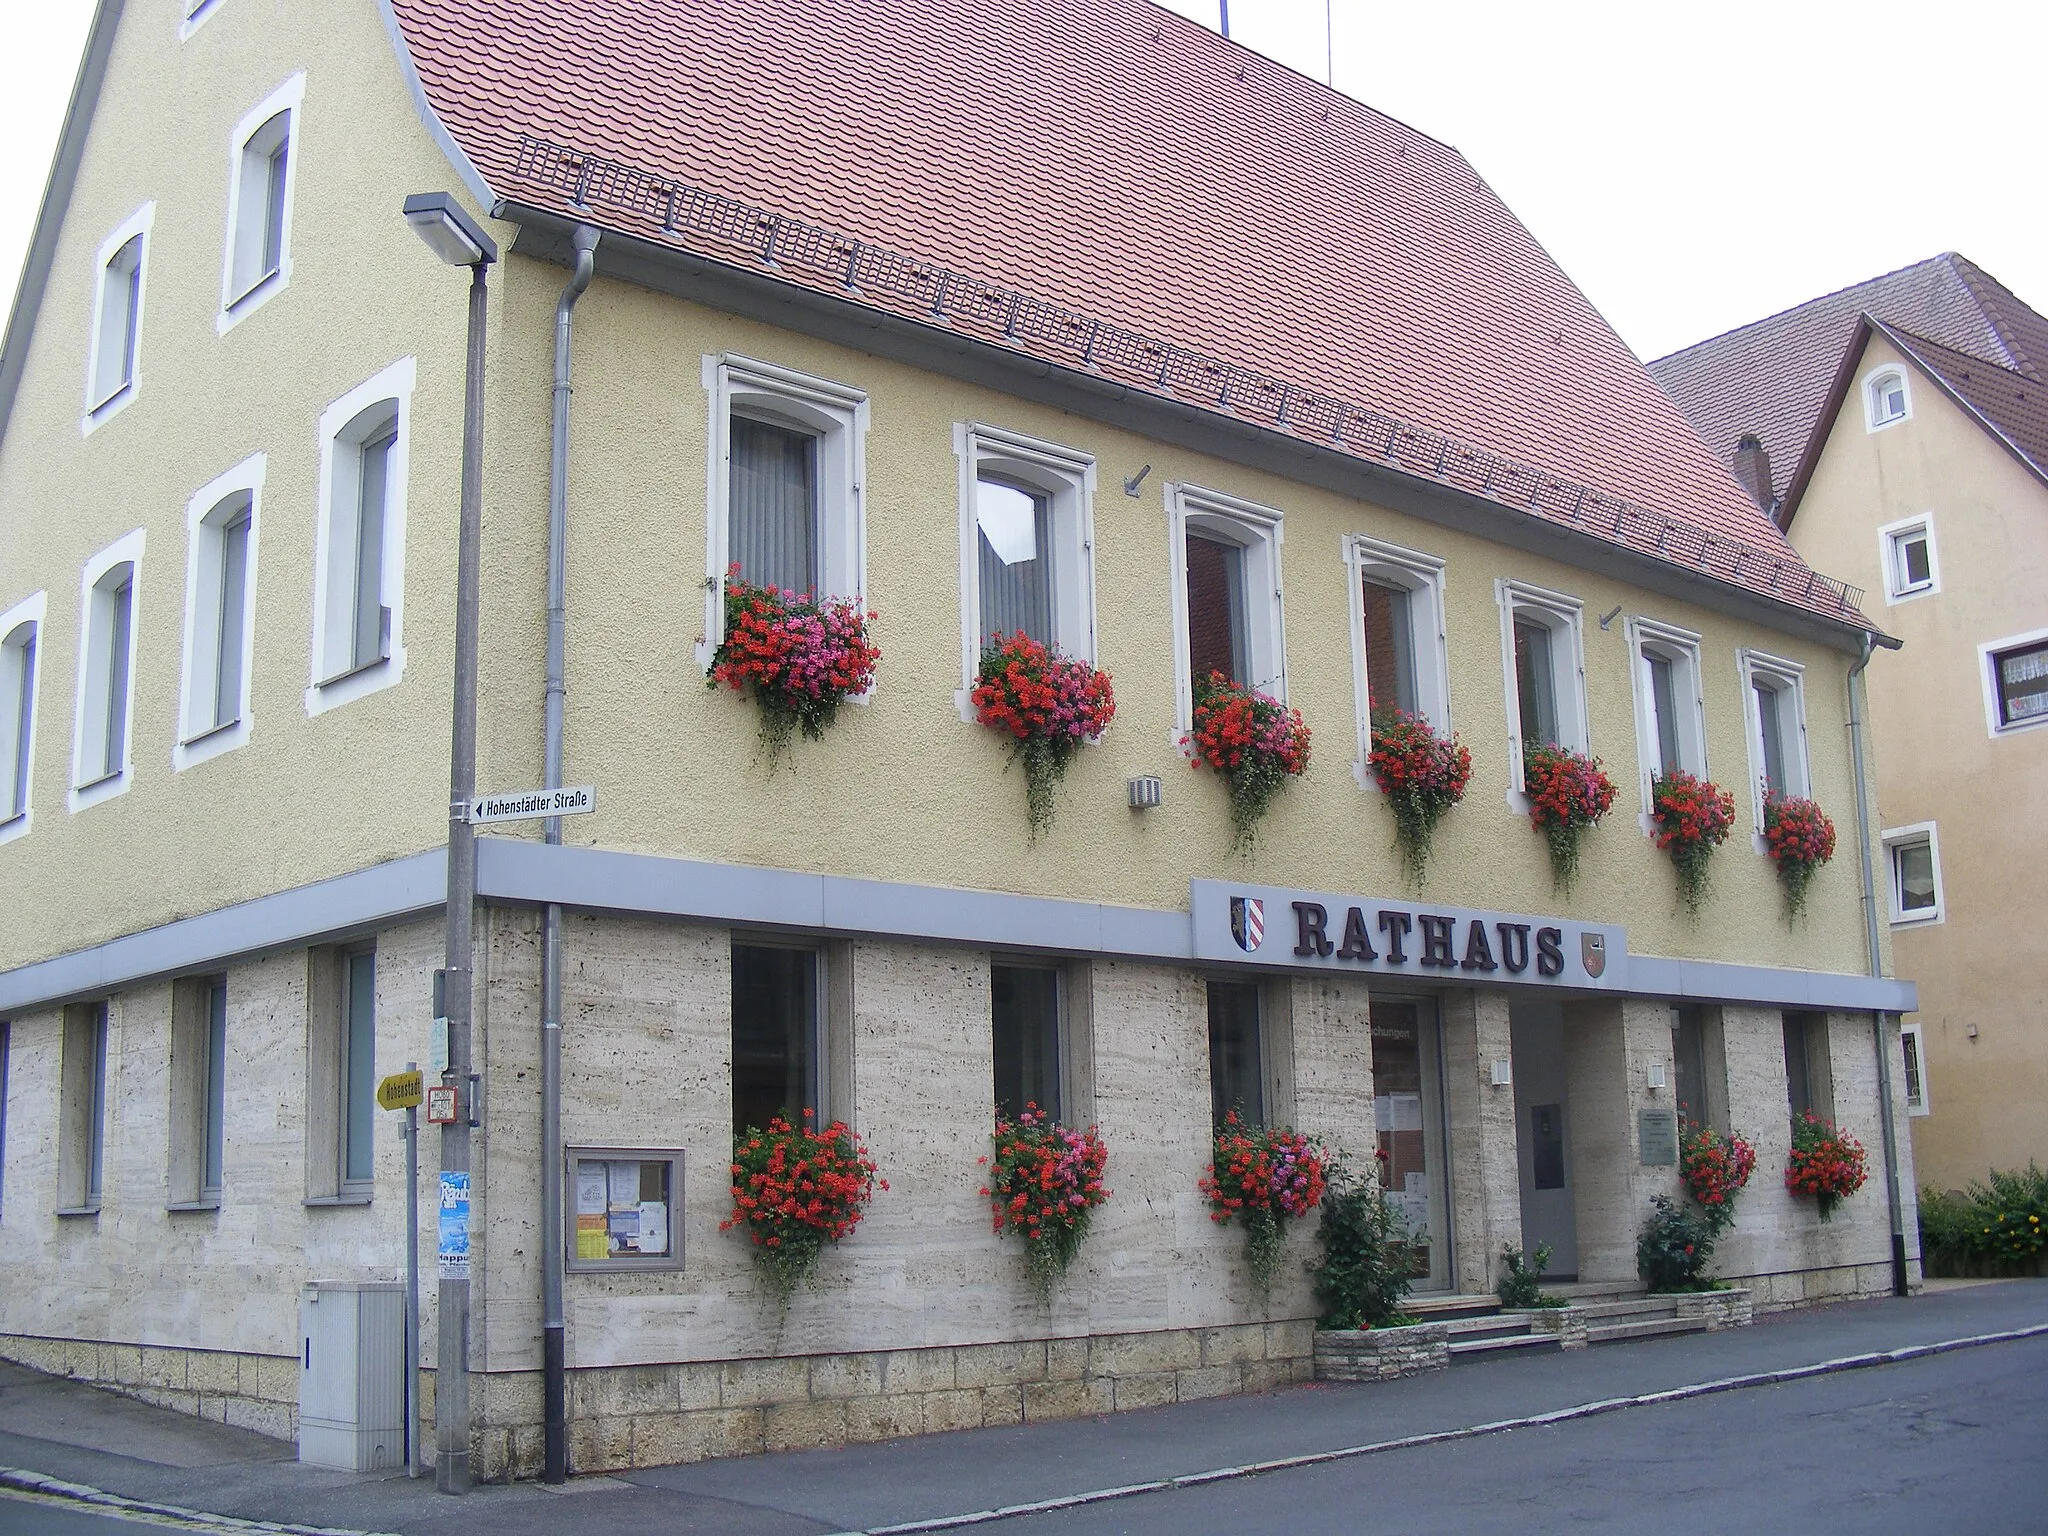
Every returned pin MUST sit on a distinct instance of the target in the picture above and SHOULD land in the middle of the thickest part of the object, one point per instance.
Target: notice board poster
(622, 1209)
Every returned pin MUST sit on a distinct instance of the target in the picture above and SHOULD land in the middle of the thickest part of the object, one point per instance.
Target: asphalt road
(1955, 1443)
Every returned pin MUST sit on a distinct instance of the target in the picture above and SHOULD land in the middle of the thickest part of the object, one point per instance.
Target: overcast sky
(1692, 167)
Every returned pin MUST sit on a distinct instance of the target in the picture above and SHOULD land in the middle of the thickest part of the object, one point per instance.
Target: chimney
(1752, 465)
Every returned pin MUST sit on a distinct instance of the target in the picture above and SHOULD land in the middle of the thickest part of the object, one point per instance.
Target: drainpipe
(554, 1376)
(1871, 641)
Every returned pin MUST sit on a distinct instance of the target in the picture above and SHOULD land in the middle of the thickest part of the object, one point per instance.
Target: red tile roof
(1152, 200)
(1772, 377)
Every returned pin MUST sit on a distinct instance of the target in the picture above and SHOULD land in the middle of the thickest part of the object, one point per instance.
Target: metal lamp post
(458, 240)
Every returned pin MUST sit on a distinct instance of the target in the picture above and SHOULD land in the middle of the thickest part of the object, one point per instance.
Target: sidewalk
(63, 1430)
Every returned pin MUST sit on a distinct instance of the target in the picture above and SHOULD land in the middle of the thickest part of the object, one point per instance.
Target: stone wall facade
(655, 1415)
(923, 1319)
(1381, 1354)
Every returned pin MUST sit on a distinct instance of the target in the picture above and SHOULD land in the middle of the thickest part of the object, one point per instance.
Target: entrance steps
(1642, 1317)
(1476, 1326)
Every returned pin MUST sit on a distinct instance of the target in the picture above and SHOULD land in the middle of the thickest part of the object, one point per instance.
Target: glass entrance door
(1408, 1101)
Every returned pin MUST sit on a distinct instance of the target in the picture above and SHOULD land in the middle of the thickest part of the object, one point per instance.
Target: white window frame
(206, 516)
(88, 736)
(26, 613)
(1422, 578)
(331, 686)
(1259, 531)
(1987, 679)
(1871, 381)
(1789, 677)
(102, 405)
(1067, 477)
(1564, 616)
(194, 14)
(236, 305)
(1891, 539)
(1916, 1104)
(1895, 838)
(838, 414)
(1680, 647)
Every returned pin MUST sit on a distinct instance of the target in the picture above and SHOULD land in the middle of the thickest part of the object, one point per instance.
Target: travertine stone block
(843, 1376)
(1233, 1346)
(919, 1370)
(1209, 1381)
(988, 1365)
(758, 1383)
(957, 1409)
(1146, 1389)
(1003, 1405)
(1068, 1399)
(884, 1418)
(1117, 1354)
(1609, 1044)
(803, 1426)
(600, 1445)
(1486, 1190)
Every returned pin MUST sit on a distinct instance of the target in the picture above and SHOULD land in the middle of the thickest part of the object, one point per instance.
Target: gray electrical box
(352, 1375)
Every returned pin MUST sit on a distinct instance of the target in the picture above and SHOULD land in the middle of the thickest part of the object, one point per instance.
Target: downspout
(554, 1376)
(1871, 641)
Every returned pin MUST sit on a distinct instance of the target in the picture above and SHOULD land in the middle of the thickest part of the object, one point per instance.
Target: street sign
(441, 1106)
(580, 800)
(401, 1090)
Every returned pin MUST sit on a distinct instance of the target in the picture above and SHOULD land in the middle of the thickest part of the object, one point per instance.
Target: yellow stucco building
(1908, 422)
(1222, 372)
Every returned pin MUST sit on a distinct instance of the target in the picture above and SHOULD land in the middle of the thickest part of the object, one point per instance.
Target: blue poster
(454, 1245)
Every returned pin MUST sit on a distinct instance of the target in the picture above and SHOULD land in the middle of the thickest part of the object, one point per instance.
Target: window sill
(92, 784)
(13, 821)
(97, 412)
(186, 1207)
(210, 732)
(346, 1198)
(79, 1210)
(253, 290)
(354, 672)
(1918, 920)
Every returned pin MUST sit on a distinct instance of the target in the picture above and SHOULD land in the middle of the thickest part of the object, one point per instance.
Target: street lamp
(452, 235)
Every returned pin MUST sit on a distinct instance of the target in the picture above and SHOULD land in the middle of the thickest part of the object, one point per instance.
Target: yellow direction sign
(401, 1090)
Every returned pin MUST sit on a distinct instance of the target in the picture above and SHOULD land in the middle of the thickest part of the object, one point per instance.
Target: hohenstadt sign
(1238, 924)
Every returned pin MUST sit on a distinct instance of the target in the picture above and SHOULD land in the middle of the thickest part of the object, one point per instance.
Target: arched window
(1885, 400)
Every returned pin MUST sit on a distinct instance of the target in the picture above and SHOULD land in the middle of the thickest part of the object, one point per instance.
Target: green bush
(1999, 1226)
(1367, 1257)
(1521, 1283)
(1674, 1249)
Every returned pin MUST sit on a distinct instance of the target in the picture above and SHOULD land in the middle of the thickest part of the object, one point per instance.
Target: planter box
(1381, 1354)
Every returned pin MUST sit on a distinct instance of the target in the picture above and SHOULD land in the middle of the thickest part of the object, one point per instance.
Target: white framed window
(262, 172)
(341, 1074)
(1912, 1047)
(198, 1074)
(101, 734)
(1774, 704)
(220, 610)
(1912, 858)
(1543, 661)
(192, 14)
(1027, 544)
(1886, 399)
(2015, 675)
(1907, 551)
(21, 629)
(1671, 709)
(113, 369)
(1399, 656)
(359, 556)
(783, 478)
(1227, 607)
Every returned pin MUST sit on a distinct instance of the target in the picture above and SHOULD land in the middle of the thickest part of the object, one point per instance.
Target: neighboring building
(1284, 385)
(1902, 432)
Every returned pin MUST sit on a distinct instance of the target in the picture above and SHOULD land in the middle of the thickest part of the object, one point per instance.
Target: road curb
(21, 1480)
(1444, 1436)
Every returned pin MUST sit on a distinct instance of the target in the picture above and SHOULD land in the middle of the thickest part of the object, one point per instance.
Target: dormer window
(1885, 401)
